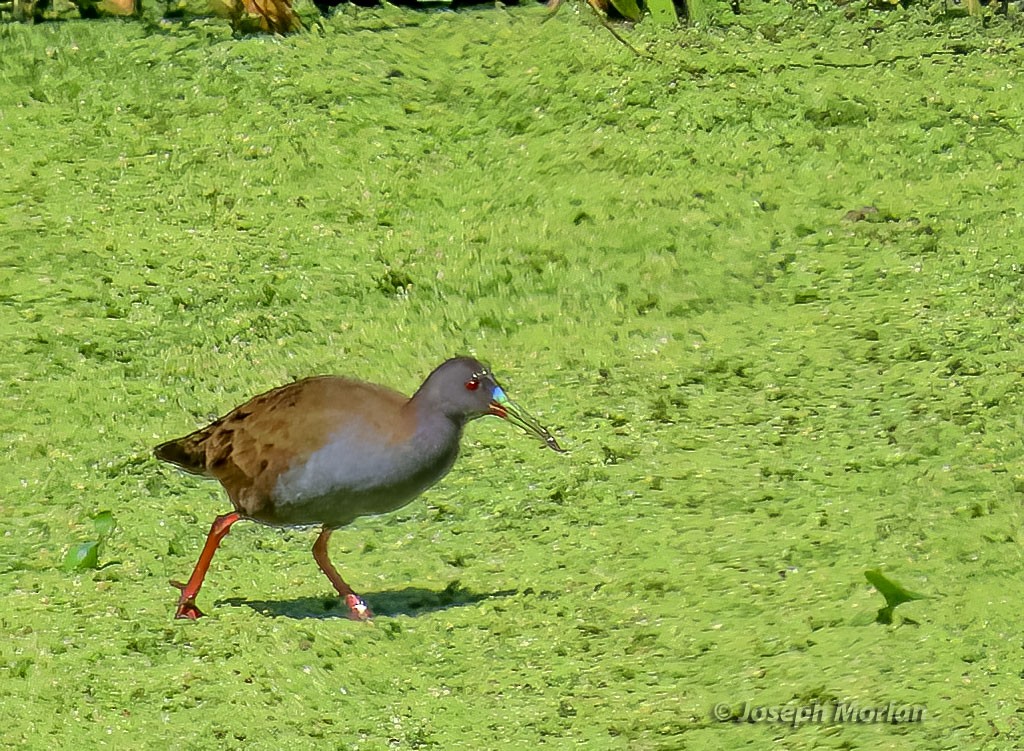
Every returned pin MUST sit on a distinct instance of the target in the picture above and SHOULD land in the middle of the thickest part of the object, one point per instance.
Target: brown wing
(248, 448)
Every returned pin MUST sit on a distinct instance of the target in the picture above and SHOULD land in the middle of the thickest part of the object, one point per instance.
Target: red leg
(187, 602)
(357, 607)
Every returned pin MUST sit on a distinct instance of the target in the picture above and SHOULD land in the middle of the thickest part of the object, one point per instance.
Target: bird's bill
(507, 409)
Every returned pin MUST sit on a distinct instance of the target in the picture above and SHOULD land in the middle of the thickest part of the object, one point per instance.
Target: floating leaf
(697, 11)
(83, 556)
(104, 523)
(627, 9)
(663, 12)
(893, 593)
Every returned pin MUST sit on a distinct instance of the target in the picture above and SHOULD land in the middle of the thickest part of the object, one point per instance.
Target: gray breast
(350, 478)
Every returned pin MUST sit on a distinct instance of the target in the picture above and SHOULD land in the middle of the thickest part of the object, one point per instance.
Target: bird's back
(251, 446)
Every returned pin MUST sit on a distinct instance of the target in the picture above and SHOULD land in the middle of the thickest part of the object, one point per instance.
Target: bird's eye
(472, 384)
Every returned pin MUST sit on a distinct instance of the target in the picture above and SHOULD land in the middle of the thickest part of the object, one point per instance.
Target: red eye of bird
(472, 384)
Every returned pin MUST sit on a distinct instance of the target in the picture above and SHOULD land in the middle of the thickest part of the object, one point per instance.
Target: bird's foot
(358, 610)
(187, 607)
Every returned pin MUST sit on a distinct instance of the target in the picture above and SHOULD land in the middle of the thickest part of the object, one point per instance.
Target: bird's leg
(187, 602)
(357, 608)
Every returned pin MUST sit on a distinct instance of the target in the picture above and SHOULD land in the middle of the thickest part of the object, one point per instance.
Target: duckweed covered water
(764, 286)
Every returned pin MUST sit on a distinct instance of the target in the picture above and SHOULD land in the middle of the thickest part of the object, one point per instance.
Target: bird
(327, 450)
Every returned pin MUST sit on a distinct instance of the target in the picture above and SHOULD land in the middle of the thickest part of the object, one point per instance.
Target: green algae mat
(764, 283)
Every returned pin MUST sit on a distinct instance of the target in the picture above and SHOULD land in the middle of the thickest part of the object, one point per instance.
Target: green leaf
(663, 12)
(627, 9)
(893, 593)
(83, 556)
(697, 11)
(104, 523)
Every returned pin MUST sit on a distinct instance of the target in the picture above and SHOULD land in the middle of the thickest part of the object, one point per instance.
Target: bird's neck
(436, 434)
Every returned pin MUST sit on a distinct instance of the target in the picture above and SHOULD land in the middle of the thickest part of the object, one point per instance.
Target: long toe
(187, 607)
(188, 610)
(358, 610)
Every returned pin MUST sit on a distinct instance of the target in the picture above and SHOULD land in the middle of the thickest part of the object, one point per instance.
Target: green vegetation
(86, 555)
(764, 285)
(894, 594)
